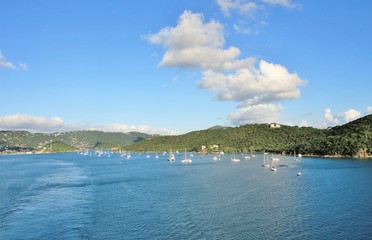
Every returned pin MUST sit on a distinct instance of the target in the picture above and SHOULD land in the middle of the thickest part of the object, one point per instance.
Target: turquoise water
(71, 196)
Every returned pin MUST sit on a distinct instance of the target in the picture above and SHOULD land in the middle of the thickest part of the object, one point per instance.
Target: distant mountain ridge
(68, 140)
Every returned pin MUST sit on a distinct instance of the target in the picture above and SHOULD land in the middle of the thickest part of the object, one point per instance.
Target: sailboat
(273, 168)
(216, 158)
(295, 156)
(265, 160)
(171, 157)
(236, 160)
(129, 156)
(246, 156)
(273, 158)
(185, 159)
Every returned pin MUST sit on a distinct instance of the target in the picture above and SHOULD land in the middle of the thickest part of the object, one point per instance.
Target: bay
(72, 196)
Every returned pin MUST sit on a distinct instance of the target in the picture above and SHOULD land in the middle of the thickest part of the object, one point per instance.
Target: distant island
(353, 139)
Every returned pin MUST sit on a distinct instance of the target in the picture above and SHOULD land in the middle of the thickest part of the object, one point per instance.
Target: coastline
(364, 157)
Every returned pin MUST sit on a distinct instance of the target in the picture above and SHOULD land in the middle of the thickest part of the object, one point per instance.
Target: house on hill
(274, 125)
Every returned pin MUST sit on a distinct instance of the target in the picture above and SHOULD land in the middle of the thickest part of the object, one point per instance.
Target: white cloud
(195, 44)
(304, 123)
(369, 110)
(263, 113)
(341, 118)
(267, 83)
(329, 117)
(284, 3)
(190, 31)
(250, 13)
(27, 122)
(55, 124)
(242, 7)
(351, 115)
(253, 29)
(250, 7)
(23, 66)
(4, 63)
(255, 89)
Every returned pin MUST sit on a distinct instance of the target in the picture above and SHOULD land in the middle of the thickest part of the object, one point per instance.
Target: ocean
(73, 196)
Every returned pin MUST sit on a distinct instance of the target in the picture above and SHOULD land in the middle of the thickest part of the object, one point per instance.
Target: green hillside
(245, 138)
(59, 147)
(75, 139)
(352, 139)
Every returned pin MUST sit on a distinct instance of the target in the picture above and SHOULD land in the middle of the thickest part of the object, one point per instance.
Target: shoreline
(303, 155)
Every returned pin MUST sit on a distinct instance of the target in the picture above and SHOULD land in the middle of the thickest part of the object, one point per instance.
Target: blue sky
(175, 66)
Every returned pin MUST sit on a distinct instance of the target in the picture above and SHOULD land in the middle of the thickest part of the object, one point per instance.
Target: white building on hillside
(274, 125)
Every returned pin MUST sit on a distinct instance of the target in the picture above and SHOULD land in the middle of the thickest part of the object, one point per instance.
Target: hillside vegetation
(352, 139)
(67, 141)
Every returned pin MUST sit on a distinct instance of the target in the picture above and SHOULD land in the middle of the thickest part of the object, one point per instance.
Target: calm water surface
(72, 196)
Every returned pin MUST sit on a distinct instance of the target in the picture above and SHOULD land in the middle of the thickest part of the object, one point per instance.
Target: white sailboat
(273, 167)
(216, 158)
(234, 159)
(171, 157)
(273, 158)
(185, 159)
(295, 158)
(265, 160)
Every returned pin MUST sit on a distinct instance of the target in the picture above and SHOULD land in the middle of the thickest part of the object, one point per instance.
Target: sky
(171, 67)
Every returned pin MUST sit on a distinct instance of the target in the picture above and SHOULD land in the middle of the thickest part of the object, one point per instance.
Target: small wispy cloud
(249, 14)
(247, 8)
(4, 63)
(23, 66)
(56, 124)
(369, 110)
(251, 7)
(284, 3)
(253, 29)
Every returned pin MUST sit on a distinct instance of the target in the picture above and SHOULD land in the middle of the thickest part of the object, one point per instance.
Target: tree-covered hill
(75, 139)
(352, 139)
(245, 138)
(59, 147)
